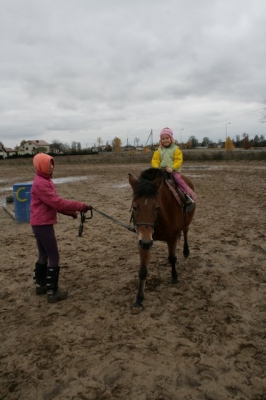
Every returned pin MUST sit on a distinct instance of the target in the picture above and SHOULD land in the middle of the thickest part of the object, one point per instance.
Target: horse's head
(145, 206)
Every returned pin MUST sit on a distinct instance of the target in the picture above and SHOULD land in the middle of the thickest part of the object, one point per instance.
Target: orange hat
(42, 162)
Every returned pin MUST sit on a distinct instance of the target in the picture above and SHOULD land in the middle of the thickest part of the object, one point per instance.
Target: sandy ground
(201, 339)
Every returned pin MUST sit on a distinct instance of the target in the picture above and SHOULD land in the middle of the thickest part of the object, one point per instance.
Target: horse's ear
(132, 181)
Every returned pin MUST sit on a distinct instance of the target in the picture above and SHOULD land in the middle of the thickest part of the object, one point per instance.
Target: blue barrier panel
(22, 198)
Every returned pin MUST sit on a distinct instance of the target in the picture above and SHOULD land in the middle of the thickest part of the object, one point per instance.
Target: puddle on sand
(10, 189)
(202, 167)
(55, 180)
(120, 185)
(72, 178)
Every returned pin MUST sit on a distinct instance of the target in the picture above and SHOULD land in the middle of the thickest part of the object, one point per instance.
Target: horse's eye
(135, 208)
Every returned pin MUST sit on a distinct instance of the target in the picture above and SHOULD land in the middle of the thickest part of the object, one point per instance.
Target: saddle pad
(174, 193)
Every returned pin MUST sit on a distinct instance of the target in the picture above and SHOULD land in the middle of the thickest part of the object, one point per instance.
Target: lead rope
(129, 227)
(83, 219)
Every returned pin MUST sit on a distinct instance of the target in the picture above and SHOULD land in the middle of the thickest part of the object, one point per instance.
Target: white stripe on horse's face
(144, 233)
(146, 202)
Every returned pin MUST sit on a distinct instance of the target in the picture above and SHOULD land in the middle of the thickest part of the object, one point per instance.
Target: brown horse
(157, 215)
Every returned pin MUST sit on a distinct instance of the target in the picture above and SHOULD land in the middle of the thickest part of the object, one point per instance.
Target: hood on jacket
(42, 163)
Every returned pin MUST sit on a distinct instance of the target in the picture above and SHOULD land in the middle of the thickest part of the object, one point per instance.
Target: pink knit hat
(167, 131)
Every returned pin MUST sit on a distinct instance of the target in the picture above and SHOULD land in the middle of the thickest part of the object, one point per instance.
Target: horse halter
(136, 224)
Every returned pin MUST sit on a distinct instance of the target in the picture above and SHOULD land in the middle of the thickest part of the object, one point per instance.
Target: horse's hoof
(186, 254)
(137, 308)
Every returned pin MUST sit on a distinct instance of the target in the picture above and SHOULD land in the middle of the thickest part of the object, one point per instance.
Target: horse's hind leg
(186, 247)
(172, 259)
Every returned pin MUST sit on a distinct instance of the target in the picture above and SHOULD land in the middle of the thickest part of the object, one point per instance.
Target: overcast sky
(77, 70)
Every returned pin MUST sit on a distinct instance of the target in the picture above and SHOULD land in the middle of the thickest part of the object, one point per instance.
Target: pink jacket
(45, 202)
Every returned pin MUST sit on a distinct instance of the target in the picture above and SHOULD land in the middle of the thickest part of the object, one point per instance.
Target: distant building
(93, 149)
(33, 147)
(6, 152)
(128, 147)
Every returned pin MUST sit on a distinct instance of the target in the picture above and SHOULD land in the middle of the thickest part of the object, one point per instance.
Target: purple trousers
(47, 245)
(181, 183)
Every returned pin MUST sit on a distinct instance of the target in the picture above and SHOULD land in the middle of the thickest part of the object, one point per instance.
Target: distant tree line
(245, 142)
(57, 147)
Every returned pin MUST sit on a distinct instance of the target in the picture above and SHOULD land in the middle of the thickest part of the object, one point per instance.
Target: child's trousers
(181, 183)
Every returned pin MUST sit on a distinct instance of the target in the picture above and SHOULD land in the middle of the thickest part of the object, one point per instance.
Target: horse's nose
(145, 245)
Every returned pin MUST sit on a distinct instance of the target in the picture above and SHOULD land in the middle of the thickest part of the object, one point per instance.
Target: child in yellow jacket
(169, 157)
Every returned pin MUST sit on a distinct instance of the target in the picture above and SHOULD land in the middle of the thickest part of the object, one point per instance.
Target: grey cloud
(83, 68)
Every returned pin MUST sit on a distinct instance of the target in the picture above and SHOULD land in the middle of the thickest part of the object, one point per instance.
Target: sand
(201, 339)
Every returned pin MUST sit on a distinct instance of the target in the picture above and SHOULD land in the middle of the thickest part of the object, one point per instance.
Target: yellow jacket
(167, 157)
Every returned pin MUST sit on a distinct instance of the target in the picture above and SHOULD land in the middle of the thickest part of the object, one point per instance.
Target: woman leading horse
(157, 215)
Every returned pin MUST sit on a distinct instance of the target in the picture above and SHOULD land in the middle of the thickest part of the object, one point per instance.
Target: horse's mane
(152, 174)
(145, 185)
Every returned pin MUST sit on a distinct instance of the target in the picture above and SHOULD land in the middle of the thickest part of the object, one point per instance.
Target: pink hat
(167, 131)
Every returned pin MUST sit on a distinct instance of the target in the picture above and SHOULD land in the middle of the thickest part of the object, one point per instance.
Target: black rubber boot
(187, 201)
(40, 278)
(190, 205)
(53, 293)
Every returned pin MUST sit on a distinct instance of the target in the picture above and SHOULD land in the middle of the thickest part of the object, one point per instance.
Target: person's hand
(168, 169)
(74, 215)
(86, 208)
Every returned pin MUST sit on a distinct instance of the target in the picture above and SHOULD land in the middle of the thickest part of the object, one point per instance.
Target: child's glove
(74, 215)
(86, 208)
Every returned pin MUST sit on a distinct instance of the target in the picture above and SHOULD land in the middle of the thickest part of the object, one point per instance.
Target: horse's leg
(186, 247)
(144, 261)
(172, 259)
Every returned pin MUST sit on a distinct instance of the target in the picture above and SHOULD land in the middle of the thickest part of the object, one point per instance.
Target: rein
(82, 220)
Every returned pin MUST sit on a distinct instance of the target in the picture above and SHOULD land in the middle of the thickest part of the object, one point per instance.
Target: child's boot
(189, 204)
(53, 293)
(40, 278)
